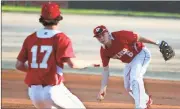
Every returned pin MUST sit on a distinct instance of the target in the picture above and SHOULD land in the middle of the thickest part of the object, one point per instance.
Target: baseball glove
(166, 50)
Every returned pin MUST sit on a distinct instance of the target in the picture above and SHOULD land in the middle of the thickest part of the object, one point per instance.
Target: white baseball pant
(133, 78)
(52, 97)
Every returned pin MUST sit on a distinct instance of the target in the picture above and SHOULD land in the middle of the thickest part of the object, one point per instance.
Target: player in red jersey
(128, 47)
(45, 51)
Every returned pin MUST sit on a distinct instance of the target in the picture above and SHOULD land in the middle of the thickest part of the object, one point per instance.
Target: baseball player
(128, 47)
(46, 51)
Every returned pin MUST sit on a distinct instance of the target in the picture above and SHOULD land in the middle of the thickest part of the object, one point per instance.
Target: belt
(43, 85)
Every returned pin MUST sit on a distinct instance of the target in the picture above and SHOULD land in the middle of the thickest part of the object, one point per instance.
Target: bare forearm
(145, 40)
(75, 64)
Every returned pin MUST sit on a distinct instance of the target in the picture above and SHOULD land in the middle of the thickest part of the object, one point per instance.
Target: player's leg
(36, 95)
(62, 97)
(138, 68)
(145, 65)
(48, 102)
(128, 84)
(127, 71)
(40, 97)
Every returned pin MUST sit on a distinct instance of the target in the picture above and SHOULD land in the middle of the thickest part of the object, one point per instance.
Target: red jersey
(124, 47)
(44, 50)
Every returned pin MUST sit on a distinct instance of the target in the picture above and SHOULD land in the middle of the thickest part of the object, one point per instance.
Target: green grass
(92, 12)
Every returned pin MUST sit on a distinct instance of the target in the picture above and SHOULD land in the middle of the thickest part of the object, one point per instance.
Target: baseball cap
(50, 11)
(99, 30)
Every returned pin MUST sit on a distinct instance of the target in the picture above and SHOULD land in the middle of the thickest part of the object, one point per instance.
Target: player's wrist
(158, 42)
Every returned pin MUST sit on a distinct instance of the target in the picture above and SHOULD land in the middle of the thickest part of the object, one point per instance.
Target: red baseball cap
(99, 30)
(50, 11)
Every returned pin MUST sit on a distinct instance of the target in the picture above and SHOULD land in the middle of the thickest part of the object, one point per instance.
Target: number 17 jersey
(44, 50)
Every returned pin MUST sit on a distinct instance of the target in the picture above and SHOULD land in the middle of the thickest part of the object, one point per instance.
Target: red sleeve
(104, 58)
(129, 36)
(23, 53)
(64, 47)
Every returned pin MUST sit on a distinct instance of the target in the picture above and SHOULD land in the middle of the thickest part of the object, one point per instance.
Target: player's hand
(101, 95)
(93, 65)
(96, 65)
(90, 65)
(81, 64)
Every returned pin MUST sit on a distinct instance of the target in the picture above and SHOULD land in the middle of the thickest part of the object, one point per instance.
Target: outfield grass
(92, 12)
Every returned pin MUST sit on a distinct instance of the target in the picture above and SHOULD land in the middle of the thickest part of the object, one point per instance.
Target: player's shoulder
(30, 36)
(122, 32)
(62, 37)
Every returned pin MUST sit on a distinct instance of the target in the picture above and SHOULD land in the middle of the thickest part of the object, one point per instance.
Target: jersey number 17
(43, 48)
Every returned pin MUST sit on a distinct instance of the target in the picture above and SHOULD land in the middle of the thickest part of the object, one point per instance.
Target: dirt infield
(164, 93)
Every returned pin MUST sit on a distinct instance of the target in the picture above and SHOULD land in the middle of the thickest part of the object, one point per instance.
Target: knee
(134, 83)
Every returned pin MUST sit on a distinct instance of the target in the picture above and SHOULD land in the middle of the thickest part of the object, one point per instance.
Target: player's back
(41, 55)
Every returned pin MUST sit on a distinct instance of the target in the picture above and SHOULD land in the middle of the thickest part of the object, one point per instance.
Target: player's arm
(146, 40)
(22, 58)
(21, 66)
(73, 63)
(66, 54)
(132, 37)
(105, 76)
(79, 64)
(104, 83)
(166, 50)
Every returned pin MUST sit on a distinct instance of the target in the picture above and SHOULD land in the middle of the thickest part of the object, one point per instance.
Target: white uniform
(53, 96)
(126, 48)
(133, 77)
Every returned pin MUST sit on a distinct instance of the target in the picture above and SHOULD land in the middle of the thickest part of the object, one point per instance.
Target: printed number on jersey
(43, 48)
(122, 53)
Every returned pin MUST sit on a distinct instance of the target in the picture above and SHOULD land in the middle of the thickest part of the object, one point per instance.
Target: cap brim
(100, 33)
(96, 35)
